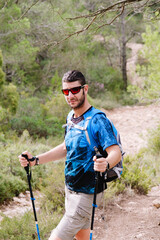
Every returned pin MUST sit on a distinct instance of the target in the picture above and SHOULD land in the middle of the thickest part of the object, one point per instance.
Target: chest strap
(70, 125)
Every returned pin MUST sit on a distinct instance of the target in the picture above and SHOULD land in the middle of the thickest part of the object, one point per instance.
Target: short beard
(81, 102)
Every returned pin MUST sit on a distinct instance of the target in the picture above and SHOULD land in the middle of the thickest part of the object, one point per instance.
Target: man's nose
(70, 94)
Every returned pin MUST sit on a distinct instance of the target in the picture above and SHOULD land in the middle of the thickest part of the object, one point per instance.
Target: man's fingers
(100, 164)
(23, 163)
(100, 160)
(23, 160)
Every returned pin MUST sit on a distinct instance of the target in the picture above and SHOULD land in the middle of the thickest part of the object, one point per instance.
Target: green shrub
(106, 100)
(23, 227)
(9, 97)
(135, 175)
(113, 189)
(56, 84)
(57, 107)
(101, 78)
(53, 188)
(138, 174)
(41, 120)
(10, 186)
(2, 74)
(3, 114)
(36, 127)
(28, 107)
(11, 170)
(2, 77)
(154, 141)
(2, 138)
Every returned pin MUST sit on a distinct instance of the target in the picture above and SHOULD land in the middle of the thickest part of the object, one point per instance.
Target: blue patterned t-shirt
(79, 172)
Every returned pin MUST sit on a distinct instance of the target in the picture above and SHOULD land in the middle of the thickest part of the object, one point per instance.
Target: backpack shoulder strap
(88, 131)
(92, 142)
(70, 115)
(70, 124)
(90, 138)
(68, 120)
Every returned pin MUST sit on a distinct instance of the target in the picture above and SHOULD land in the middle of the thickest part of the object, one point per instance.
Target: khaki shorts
(78, 210)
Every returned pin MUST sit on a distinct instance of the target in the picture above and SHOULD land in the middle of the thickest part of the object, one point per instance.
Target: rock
(21, 195)
(132, 203)
(156, 203)
(140, 235)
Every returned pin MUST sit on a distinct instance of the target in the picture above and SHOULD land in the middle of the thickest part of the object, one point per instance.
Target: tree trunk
(123, 51)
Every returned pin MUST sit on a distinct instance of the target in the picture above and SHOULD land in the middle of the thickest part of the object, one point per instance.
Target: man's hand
(23, 160)
(100, 164)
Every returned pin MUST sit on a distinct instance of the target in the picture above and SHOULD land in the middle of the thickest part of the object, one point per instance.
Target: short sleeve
(102, 131)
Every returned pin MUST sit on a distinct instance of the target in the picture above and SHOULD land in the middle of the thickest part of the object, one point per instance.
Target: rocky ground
(130, 217)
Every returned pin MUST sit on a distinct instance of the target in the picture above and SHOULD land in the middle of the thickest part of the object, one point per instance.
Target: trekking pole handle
(27, 167)
(29, 160)
(98, 155)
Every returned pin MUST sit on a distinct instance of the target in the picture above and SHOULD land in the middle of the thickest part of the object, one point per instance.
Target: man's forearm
(114, 155)
(54, 154)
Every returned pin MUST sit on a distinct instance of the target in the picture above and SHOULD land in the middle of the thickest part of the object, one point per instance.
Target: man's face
(77, 100)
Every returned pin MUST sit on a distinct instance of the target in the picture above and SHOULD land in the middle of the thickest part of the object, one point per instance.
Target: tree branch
(130, 37)
(152, 4)
(5, 4)
(33, 4)
(56, 11)
(72, 34)
(114, 7)
(101, 11)
(122, 10)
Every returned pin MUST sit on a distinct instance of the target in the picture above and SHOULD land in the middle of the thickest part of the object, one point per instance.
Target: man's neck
(78, 112)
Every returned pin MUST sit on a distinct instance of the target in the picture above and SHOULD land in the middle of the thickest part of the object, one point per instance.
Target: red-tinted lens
(75, 90)
(65, 92)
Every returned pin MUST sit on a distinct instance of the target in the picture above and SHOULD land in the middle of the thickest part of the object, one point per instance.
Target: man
(80, 160)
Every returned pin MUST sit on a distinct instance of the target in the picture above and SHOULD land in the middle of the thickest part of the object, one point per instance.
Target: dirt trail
(132, 216)
(131, 63)
(133, 124)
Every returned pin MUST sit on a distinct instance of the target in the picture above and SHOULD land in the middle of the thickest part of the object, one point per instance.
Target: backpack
(116, 171)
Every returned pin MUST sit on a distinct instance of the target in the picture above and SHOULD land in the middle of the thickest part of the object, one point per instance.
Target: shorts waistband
(73, 192)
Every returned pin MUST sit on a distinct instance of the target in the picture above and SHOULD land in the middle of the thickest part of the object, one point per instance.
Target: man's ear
(86, 88)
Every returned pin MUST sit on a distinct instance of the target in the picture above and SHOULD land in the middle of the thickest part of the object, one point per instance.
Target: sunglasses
(74, 90)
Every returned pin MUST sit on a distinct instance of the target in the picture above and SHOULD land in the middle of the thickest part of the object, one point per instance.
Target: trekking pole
(95, 194)
(31, 193)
